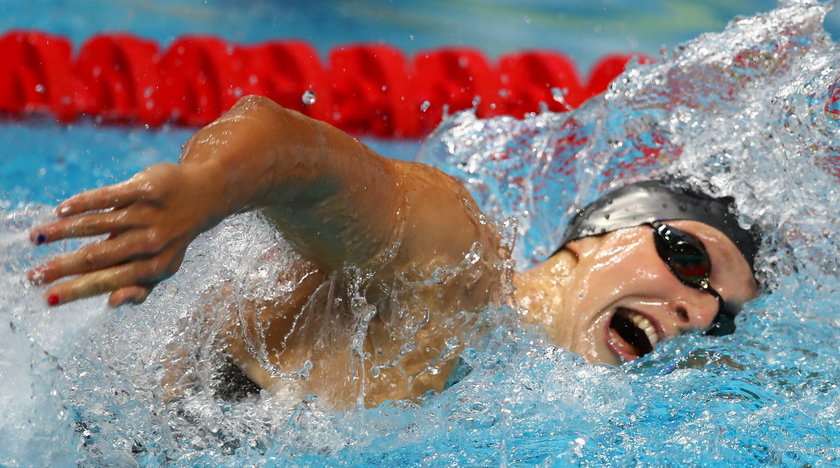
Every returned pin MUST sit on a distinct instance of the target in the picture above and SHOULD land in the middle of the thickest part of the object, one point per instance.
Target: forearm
(333, 198)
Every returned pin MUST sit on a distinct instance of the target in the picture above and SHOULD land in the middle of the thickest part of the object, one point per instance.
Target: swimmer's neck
(540, 293)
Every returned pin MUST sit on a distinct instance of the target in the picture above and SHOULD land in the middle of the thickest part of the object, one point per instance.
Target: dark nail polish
(53, 299)
(40, 238)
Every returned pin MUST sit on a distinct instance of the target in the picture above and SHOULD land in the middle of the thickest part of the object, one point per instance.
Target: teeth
(646, 326)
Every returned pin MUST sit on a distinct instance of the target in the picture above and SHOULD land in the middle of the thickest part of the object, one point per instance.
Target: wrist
(208, 193)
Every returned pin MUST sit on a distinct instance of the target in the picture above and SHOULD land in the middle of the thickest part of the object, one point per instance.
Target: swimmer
(644, 264)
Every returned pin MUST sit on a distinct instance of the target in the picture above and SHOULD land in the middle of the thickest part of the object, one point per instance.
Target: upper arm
(441, 221)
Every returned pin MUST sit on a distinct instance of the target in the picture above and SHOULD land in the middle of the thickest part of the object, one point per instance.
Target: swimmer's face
(611, 298)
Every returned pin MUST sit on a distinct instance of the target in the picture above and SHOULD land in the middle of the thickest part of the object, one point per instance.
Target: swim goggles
(689, 261)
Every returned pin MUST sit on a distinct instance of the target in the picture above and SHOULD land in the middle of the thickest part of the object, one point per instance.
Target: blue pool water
(746, 110)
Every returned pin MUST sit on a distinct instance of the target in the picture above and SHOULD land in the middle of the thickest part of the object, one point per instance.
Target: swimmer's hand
(149, 219)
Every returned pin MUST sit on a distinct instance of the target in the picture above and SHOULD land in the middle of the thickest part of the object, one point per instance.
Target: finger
(131, 294)
(113, 196)
(82, 226)
(103, 281)
(96, 256)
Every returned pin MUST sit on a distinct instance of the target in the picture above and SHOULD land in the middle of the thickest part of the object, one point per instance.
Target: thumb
(134, 294)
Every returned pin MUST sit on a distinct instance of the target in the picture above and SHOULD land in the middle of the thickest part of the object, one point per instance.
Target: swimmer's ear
(584, 246)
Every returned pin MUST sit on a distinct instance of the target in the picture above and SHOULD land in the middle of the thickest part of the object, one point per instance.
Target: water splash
(750, 112)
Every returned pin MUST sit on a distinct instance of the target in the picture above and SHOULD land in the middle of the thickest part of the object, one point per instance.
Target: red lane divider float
(363, 88)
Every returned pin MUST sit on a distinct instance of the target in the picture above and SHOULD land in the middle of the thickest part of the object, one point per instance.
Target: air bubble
(425, 106)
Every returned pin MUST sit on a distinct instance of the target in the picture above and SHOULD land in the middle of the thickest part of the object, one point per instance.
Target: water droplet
(472, 257)
(474, 254)
(39, 88)
(425, 106)
(411, 37)
(305, 370)
(559, 94)
(309, 97)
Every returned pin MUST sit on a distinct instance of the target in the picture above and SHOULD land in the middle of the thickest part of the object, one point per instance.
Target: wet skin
(338, 204)
(576, 293)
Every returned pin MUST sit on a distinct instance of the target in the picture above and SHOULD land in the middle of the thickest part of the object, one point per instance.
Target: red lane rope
(371, 89)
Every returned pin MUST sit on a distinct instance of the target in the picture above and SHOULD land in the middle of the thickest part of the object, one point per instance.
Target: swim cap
(654, 200)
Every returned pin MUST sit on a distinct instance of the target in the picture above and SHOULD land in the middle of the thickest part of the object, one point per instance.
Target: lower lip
(625, 356)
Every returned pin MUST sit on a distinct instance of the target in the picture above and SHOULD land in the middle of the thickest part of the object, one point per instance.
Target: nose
(695, 310)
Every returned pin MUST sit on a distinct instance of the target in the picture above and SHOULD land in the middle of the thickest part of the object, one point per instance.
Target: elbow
(267, 111)
(255, 101)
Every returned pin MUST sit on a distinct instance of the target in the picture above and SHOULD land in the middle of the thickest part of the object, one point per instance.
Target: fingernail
(40, 238)
(64, 210)
(53, 299)
(37, 275)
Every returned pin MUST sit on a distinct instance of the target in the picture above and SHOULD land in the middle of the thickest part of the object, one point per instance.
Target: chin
(603, 356)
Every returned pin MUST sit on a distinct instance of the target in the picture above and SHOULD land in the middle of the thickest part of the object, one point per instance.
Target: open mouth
(631, 335)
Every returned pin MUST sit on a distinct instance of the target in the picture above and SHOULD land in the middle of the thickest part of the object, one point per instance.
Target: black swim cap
(654, 200)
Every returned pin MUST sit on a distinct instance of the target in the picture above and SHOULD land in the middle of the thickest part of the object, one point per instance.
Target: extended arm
(334, 199)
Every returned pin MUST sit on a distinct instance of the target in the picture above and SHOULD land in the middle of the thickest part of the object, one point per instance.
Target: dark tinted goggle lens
(688, 260)
(684, 255)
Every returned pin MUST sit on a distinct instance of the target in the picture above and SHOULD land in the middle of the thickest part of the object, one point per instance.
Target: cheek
(616, 270)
